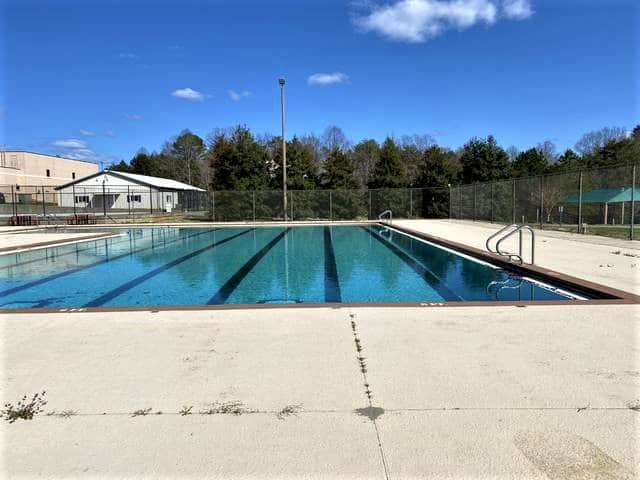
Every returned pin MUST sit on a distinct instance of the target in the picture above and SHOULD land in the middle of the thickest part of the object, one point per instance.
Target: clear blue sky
(98, 79)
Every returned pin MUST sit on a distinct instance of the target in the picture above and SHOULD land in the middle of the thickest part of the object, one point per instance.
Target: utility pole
(281, 81)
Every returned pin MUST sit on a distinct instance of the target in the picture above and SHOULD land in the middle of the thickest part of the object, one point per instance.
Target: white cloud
(417, 21)
(517, 9)
(110, 133)
(127, 55)
(85, 154)
(189, 94)
(87, 133)
(133, 116)
(72, 143)
(237, 96)
(78, 150)
(324, 79)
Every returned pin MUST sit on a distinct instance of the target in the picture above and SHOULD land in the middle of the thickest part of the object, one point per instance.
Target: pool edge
(539, 273)
(611, 296)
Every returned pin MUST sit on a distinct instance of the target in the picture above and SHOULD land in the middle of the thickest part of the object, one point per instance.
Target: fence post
(580, 203)
(213, 205)
(370, 214)
(150, 201)
(410, 203)
(513, 201)
(129, 200)
(450, 202)
(104, 204)
(492, 202)
(291, 203)
(330, 206)
(44, 207)
(253, 204)
(541, 200)
(73, 192)
(14, 209)
(475, 201)
(460, 203)
(633, 202)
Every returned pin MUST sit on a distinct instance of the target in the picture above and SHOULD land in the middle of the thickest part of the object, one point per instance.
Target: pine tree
(530, 162)
(484, 160)
(389, 171)
(239, 162)
(339, 171)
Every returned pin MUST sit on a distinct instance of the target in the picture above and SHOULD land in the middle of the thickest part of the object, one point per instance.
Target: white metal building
(125, 191)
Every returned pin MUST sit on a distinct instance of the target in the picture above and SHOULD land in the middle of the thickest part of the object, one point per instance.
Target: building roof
(604, 195)
(154, 182)
(57, 157)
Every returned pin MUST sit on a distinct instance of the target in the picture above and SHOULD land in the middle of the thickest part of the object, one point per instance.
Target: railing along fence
(603, 198)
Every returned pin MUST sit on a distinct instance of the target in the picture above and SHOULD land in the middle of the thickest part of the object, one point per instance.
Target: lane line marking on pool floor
(223, 294)
(110, 295)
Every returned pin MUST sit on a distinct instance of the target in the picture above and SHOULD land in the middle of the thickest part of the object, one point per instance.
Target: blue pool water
(246, 265)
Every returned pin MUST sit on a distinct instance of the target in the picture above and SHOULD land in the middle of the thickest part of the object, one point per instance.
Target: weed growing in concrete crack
(141, 413)
(185, 410)
(635, 406)
(361, 359)
(24, 409)
(227, 408)
(67, 413)
(288, 410)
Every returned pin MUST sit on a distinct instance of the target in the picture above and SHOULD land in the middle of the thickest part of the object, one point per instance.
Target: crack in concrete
(370, 411)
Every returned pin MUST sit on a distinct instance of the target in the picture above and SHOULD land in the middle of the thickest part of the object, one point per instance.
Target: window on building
(73, 175)
(168, 198)
(48, 172)
(82, 198)
(134, 198)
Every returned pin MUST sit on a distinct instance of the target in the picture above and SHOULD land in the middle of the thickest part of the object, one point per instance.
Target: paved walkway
(536, 392)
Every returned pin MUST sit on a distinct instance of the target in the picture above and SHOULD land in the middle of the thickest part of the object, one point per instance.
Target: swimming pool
(257, 265)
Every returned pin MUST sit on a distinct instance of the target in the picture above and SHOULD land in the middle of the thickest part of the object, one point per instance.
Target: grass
(141, 413)
(24, 410)
(288, 410)
(612, 231)
(185, 410)
(227, 408)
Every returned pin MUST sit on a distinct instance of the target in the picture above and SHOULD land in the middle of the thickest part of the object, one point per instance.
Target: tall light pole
(284, 150)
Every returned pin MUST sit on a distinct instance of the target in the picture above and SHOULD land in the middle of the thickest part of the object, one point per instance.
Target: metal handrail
(386, 212)
(519, 255)
(496, 234)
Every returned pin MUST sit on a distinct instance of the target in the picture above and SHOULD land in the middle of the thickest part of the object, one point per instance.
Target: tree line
(237, 159)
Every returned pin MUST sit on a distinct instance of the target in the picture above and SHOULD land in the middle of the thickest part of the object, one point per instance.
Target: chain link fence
(44, 204)
(602, 201)
(30, 204)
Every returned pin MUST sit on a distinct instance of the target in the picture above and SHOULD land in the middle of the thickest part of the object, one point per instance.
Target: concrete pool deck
(470, 392)
(12, 241)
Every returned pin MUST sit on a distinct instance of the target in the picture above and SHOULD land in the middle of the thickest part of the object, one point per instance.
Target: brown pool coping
(607, 295)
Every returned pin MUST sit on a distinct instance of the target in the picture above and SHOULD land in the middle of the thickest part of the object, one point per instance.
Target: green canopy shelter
(604, 196)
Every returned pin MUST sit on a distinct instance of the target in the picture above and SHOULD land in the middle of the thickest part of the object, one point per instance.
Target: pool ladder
(494, 288)
(508, 232)
(386, 213)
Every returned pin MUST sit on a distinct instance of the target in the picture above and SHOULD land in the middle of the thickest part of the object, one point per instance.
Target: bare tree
(592, 141)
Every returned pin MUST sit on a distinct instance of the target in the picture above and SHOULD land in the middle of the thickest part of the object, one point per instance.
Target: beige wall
(25, 168)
